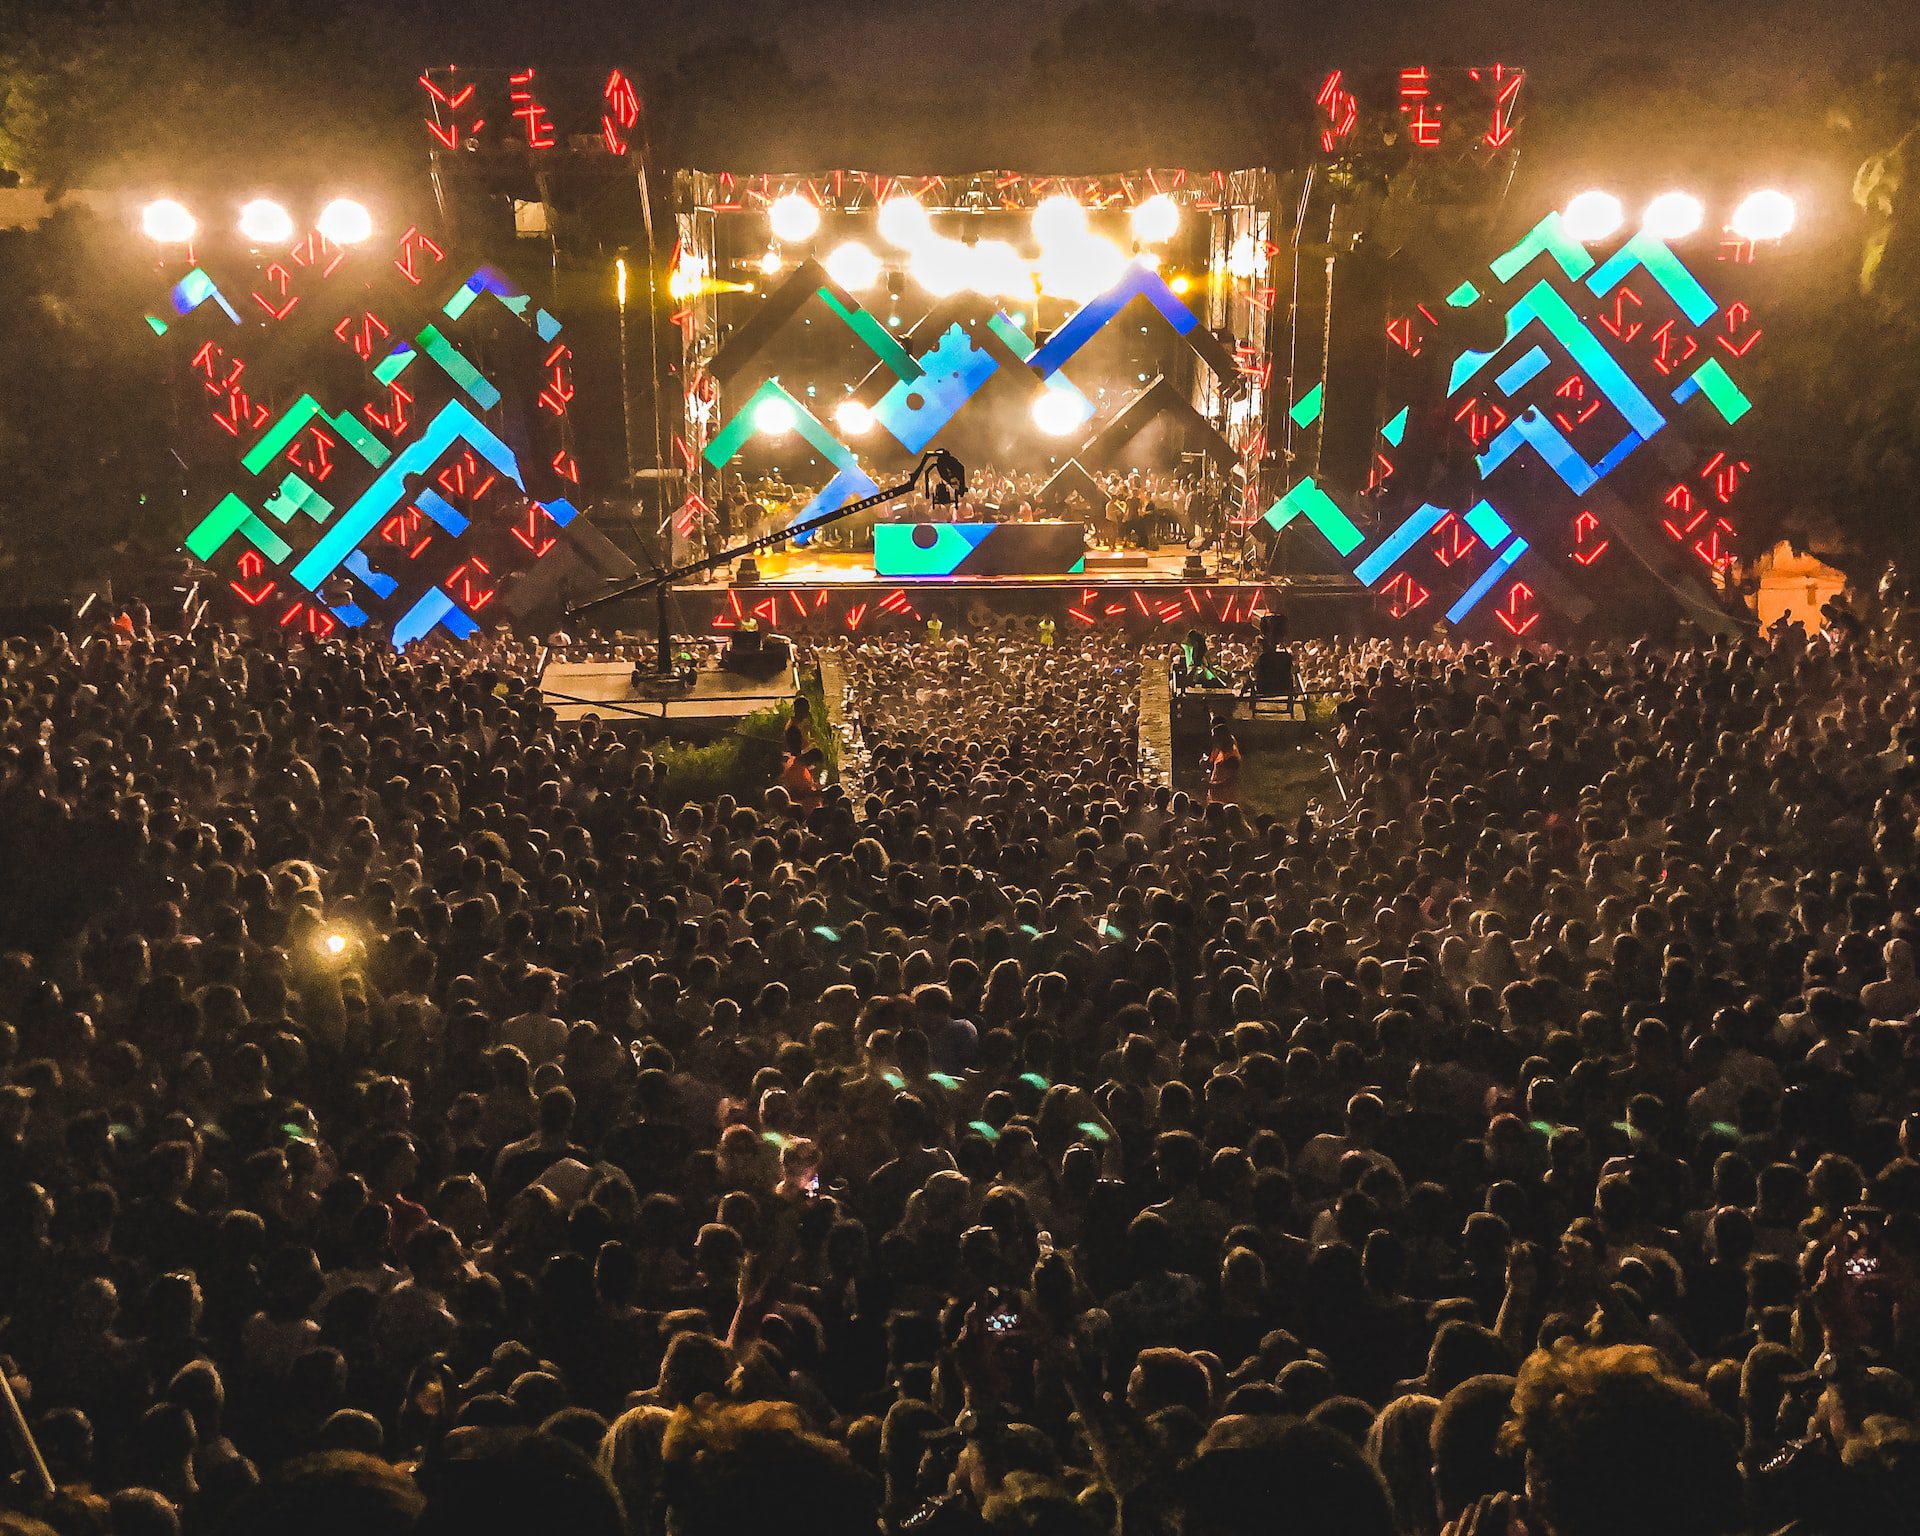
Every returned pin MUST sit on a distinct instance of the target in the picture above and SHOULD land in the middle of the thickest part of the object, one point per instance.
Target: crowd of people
(415, 1116)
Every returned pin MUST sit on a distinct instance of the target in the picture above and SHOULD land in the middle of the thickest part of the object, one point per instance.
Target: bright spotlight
(1180, 283)
(1081, 270)
(345, 222)
(1766, 215)
(1059, 220)
(853, 418)
(998, 271)
(166, 222)
(770, 263)
(794, 218)
(942, 267)
(335, 943)
(853, 266)
(1155, 220)
(1246, 257)
(689, 276)
(1593, 216)
(774, 418)
(903, 222)
(1057, 413)
(1672, 216)
(265, 222)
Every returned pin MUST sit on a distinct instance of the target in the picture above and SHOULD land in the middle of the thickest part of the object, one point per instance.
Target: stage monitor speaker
(751, 653)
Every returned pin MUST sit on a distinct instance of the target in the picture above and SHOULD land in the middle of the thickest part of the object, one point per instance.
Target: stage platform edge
(1316, 608)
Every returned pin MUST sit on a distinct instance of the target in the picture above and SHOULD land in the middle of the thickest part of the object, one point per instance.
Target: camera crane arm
(937, 468)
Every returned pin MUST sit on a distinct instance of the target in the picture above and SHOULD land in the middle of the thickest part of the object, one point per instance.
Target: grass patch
(1282, 782)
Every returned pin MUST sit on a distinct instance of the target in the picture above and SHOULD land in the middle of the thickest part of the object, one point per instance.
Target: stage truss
(919, 382)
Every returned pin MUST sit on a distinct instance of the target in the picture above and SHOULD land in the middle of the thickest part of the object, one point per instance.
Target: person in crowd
(1524, 1141)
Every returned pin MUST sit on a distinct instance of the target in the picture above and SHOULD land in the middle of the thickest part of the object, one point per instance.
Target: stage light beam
(1247, 257)
(942, 267)
(903, 222)
(265, 222)
(689, 276)
(1593, 216)
(166, 221)
(853, 418)
(1057, 413)
(1673, 216)
(1059, 220)
(345, 222)
(1155, 220)
(853, 266)
(774, 418)
(794, 218)
(1764, 215)
(1082, 269)
(998, 271)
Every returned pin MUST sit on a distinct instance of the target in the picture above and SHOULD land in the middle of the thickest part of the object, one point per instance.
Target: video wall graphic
(377, 437)
(930, 390)
(1605, 426)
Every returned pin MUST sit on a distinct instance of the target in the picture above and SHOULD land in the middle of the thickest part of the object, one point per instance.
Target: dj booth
(979, 549)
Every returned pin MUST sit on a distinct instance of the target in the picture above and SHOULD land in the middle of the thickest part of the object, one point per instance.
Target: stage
(833, 567)
(828, 592)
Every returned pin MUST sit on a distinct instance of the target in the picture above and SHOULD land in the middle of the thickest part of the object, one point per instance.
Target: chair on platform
(1272, 689)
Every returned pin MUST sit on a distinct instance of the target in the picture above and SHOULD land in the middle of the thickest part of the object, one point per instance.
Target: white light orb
(770, 263)
(345, 222)
(265, 222)
(774, 418)
(689, 276)
(1673, 216)
(903, 222)
(1593, 216)
(999, 271)
(1155, 220)
(794, 218)
(1082, 270)
(1057, 413)
(1059, 220)
(853, 418)
(853, 266)
(1763, 215)
(942, 267)
(167, 222)
(1247, 257)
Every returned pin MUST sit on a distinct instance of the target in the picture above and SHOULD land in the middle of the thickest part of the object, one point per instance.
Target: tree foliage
(86, 485)
(219, 98)
(138, 93)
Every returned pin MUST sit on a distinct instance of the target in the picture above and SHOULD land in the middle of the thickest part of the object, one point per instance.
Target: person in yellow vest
(1046, 631)
(934, 629)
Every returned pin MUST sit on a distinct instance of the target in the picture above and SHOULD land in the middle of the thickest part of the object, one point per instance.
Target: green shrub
(745, 762)
(741, 764)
